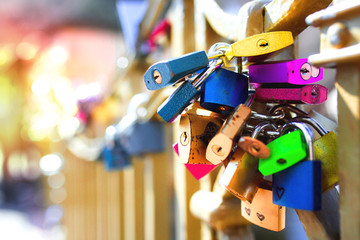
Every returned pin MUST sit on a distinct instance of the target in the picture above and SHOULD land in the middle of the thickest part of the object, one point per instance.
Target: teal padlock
(285, 151)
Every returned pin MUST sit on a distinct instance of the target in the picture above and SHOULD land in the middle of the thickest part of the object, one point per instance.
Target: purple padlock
(308, 94)
(297, 71)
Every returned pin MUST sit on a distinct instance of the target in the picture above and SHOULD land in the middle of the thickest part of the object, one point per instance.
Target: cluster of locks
(248, 122)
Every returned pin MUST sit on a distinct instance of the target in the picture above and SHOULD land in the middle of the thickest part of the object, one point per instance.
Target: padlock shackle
(307, 133)
(213, 65)
(218, 50)
(312, 122)
(260, 127)
(259, 116)
(291, 108)
(249, 101)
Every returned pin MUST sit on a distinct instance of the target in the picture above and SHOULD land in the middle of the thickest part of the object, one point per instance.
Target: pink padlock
(297, 71)
(309, 94)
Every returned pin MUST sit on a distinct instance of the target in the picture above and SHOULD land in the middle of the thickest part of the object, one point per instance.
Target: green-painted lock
(285, 151)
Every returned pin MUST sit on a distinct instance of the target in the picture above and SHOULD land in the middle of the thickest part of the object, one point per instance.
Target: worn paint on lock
(260, 44)
(166, 73)
(285, 151)
(309, 94)
(221, 144)
(223, 91)
(241, 176)
(326, 151)
(262, 212)
(297, 71)
(195, 133)
(253, 146)
(175, 104)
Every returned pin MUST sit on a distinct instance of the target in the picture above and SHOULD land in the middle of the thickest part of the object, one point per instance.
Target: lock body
(285, 151)
(309, 94)
(241, 176)
(260, 44)
(299, 186)
(297, 71)
(222, 143)
(223, 91)
(195, 133)
(144, 137)
(166, 73)
(262, 212)
(326, 150)
(116, 157)
(173, 106)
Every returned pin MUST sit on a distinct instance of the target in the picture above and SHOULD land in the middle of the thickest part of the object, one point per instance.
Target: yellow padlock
(260, 44)
(326, 150)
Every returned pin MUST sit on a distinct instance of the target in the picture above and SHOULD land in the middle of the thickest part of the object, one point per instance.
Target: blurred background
(68, 70)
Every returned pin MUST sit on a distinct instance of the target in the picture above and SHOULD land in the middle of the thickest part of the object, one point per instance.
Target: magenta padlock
(308, 94)
(297, 71)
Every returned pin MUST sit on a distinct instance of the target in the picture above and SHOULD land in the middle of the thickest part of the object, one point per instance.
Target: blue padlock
(144, 137)
(300, 185)
(223, 91)
(166, 73)
(114, 154)
(173, 106)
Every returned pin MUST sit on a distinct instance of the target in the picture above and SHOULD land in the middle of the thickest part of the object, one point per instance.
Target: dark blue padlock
(300, 185)
(144, 137)
(166, 73)
(114, 154)
(185, 94)
(223, 91)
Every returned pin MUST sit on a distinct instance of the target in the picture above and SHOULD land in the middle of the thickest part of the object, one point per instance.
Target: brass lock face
(195, 133)
(221, 144)
(263, 212)
(241, 176)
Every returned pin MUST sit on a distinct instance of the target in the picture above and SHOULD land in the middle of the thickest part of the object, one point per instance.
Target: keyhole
(262, 44)
(255, 148)
(218, 150)
(157, 77)
(304, 71)
(184, 139)
(281, 161)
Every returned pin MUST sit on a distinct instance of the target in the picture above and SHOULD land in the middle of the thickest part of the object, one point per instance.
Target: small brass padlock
(241, 176)
(195, 133)
(262, 212)
(220, 146)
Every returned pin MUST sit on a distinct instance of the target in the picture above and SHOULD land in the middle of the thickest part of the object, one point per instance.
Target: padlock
(285, 151)
(185, 93)
(114, 154)
(260, 44)
(222, 143)
(262, 212)
(254, 146)
(300, 185)
(241, 176)
(325, 149)
(195, 133)
(308, 94)
(166, 73)
(144, 137)
(297, 71)
(223, 91)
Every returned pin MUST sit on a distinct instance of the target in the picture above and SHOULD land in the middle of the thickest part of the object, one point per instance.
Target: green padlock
(285, 151)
